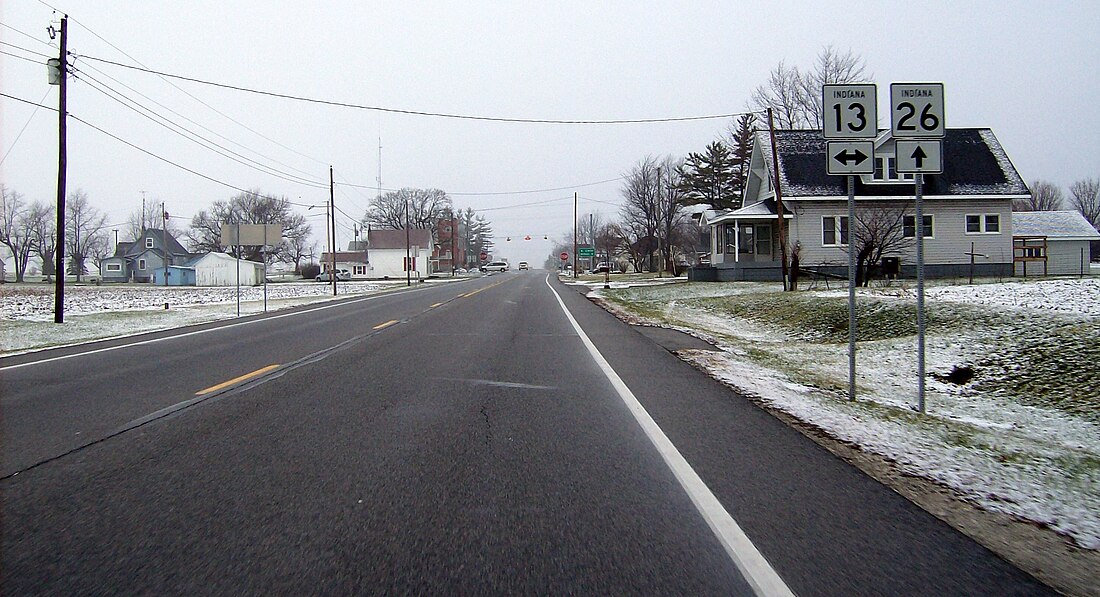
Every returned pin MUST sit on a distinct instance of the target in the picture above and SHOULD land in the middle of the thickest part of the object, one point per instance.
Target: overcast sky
(1025, 69)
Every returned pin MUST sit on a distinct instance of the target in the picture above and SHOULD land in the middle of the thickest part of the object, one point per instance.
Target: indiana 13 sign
(849, 111)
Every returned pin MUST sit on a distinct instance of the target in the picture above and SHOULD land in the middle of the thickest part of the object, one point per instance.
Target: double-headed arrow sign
(850, 157)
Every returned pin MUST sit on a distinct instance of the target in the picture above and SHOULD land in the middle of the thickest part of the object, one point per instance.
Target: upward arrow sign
(919, 156)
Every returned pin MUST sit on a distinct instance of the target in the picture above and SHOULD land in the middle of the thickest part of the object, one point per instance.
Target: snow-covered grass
(97, 312)
(1021, 436)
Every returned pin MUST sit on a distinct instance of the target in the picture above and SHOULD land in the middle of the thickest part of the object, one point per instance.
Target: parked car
(601, 268)
(495, 266)
(523, 265)
(342, 275)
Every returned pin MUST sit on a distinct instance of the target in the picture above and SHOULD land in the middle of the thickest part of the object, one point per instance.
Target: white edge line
(196, 332)
(759, 574)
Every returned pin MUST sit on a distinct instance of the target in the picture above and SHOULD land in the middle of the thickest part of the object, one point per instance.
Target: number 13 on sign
(850, 111)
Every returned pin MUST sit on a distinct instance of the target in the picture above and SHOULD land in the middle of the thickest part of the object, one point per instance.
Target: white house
(383, 255)
(221, 269)
(967, 208)
(1054, 243)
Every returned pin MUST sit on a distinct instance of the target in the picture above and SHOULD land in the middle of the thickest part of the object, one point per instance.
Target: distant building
(1051, 243)
(138, 260)
(382, 255)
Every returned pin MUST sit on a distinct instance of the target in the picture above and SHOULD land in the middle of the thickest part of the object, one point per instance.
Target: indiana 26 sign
(916, 110)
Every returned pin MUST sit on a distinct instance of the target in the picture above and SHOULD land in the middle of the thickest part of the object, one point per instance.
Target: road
(497, 436)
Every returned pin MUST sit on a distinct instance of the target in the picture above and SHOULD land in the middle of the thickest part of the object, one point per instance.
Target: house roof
(974, 163)
(138, 246)
(761, 210)
(1064, 225)
(395, 239)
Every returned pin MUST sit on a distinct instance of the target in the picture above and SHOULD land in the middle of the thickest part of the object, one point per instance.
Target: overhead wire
(27, 50)
(194, 122)
(339, 104)
(192, 136)
(27, 35)
(37, 107)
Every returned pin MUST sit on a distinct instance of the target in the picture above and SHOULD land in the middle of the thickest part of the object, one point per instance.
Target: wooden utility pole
(408, 248)
(59, 253)
(779, 202)
(332, 223)
(575, 235)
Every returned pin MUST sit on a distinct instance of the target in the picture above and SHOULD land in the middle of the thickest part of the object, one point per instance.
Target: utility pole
(408, 248)
(332, 223)
(779, 202)
(59, 257)
(164, 240)
(453, 230)
(660, 259)
(574, 235)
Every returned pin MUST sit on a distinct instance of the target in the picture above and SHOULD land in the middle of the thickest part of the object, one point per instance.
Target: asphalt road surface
(476, 438)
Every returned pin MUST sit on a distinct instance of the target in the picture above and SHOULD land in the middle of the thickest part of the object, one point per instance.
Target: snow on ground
(1001, 452)
(97, 312)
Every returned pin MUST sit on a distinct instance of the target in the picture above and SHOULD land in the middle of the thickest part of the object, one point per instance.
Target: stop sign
(484, 255)
(564, 256)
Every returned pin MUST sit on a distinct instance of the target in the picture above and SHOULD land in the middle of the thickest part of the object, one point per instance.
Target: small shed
(220, 269)
(1051, 243)
(178, 275)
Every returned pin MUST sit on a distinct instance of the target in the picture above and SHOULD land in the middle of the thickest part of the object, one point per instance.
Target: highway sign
(586, 252)
(916, 110)
(564, 256)
(850, 111)
(850, 157)
(920, 157)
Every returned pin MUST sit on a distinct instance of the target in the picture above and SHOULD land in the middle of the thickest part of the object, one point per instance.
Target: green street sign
(586, 252)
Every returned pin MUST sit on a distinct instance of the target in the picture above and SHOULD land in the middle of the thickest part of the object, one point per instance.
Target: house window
(886, 170)
(983, 223)
(763, 240)
(114, 267)
(148, 243)
(141, 264)
(909, 227)
(360, 270)
(746, 241)
(731, 239)
(834, 229)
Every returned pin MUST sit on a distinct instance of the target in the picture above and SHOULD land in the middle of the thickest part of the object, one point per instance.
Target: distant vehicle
(523, 265)
(460, 270)
(601, 268)
(495, 266)
(342, 275)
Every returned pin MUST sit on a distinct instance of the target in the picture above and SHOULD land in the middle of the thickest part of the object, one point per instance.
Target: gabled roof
(138, 246)
(761, 210)
(395, 239)
(974, 164)
(1065, 225)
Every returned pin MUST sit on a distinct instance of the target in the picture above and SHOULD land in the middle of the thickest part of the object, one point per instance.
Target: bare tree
(795, 95)
(425, 208)
(1086, 199)
(1045, 196)
(251, 207)
(16, 229)
(783, 93)
(641, 213)
(832, 66)
(84, 231)
(879, 231)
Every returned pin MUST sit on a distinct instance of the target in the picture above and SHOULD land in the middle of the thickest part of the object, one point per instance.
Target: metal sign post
(918, 125)
(851, 115)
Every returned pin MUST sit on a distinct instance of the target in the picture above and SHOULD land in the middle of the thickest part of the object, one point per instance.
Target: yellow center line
(435, 305)
(237, 380)
(385, 325)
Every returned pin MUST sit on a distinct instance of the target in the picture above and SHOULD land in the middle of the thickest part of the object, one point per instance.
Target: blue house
(178, 275)
(140, 259)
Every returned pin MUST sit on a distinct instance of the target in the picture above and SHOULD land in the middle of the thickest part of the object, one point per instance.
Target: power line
(36, 108)
(27, 35)
(409, 112)
(4, 43)
(191, 135)
(198, 124)
(188, 94)
(7, 53)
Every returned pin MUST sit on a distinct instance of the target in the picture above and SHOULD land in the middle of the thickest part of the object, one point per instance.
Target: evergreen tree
(708, 178)
(741, 140)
